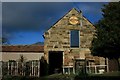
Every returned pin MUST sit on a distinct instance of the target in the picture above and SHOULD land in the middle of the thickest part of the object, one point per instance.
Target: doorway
(55, 62)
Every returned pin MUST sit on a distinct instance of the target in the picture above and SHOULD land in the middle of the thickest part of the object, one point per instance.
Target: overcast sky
(25, 22)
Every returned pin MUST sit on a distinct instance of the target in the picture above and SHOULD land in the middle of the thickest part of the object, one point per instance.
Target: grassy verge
(50, 77)
(58, 77)
(105, 76)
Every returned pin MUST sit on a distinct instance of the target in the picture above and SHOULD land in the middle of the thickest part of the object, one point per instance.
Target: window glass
(74, 38)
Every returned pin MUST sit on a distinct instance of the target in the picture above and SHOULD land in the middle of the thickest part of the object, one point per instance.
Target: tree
(21, 66)
(43, 67)
(107, 40)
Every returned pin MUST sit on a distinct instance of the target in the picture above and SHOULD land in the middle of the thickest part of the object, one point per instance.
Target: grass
(59, 76)
(105, 76)
(116, 73)
(111, 74)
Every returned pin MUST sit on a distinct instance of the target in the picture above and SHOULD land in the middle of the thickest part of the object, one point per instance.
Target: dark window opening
(74, 39)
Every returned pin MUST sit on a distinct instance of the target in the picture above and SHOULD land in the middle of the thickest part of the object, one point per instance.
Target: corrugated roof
(22, 48)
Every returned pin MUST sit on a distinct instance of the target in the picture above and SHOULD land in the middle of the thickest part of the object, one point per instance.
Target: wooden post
(38, 68)
(8, 67)
(32, 68)
(89, 67)
(95, 69)
(73, 71)
(63, 70)
(63, 64)
(17, 68)
(73, 66)
(107, 64)
(11, 69)
(68, 70)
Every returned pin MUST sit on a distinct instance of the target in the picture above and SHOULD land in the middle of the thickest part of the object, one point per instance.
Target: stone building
(67, 45)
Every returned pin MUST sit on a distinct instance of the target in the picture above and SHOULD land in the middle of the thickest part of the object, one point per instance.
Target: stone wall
(57, 38)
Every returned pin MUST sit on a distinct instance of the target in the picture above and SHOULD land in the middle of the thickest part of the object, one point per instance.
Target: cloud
(25, 17)
(91, 10)
(28, 16)
(39, 16)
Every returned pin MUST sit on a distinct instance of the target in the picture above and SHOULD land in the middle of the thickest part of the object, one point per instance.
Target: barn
(67, 45)
(66, 50)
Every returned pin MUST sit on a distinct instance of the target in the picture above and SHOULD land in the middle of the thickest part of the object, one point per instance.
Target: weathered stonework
(57, 38)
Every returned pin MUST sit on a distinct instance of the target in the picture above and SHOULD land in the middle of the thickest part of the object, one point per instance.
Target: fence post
(95, 69)
(8, 67)
(32, 69)
(38, 68)
(63, 70)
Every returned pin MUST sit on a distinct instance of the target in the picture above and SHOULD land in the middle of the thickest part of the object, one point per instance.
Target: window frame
(78, 38)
